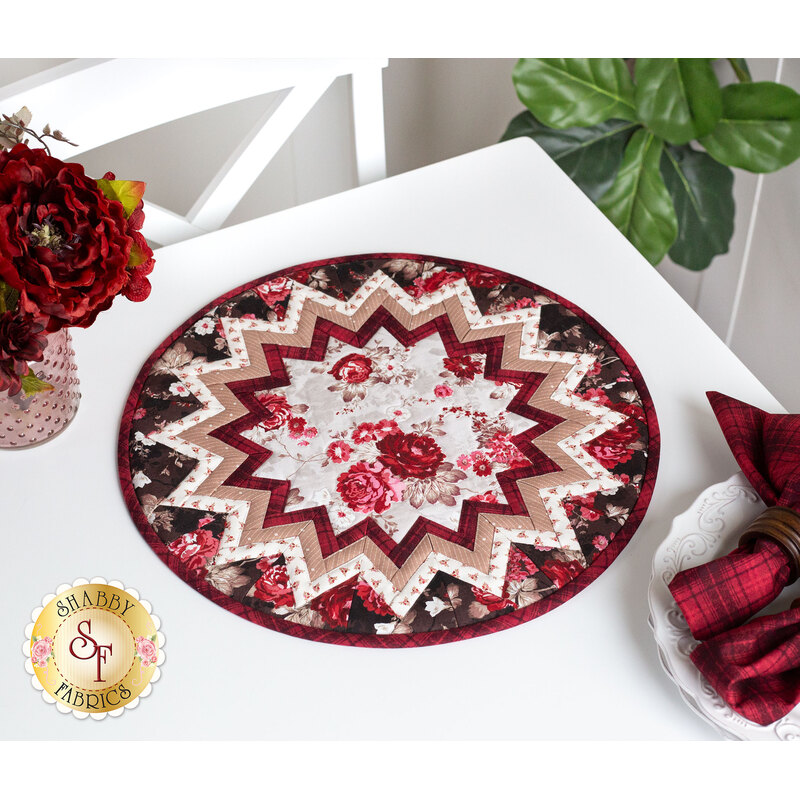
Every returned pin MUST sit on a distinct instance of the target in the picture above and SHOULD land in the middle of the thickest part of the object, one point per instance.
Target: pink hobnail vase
(29, 420)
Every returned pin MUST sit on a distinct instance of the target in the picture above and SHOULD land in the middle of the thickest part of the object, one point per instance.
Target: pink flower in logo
(146, 650)
(41, 650)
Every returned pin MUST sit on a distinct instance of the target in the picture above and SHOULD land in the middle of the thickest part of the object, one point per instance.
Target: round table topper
(388, 450)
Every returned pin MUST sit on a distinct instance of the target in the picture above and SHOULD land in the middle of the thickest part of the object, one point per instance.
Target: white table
(586, 670)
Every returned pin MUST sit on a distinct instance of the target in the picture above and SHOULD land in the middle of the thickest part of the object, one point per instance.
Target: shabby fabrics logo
(94, 648)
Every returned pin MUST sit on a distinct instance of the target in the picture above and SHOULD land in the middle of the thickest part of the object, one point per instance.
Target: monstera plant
(627, 132)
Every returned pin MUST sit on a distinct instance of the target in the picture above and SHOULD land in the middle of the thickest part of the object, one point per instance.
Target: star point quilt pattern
(388, 450)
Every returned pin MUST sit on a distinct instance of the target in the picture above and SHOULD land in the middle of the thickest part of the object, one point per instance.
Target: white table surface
(587, 670)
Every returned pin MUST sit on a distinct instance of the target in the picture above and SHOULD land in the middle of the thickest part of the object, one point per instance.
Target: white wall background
(440, 108)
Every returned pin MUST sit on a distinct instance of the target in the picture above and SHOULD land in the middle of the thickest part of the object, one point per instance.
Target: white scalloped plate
(708, 529)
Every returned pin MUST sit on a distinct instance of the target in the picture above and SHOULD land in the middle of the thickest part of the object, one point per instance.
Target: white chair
(78, 95)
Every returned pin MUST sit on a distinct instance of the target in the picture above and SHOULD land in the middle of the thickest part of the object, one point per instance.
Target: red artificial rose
(334, 606)
(562, 572)
(138, 286)
(273, 585)
(194, 548)
(277, 409)
(369, 487)
(21, 341)
(63, 245)
(463, 367)
(612, 447)
(410, 455)
(354, 368)
(372, 600)
(491, 601)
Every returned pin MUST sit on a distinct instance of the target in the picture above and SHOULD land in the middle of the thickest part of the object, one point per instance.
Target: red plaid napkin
(756, 668)
(717, 596)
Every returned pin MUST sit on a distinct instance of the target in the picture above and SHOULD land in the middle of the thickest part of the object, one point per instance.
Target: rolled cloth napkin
(756, 668)
(724, 593)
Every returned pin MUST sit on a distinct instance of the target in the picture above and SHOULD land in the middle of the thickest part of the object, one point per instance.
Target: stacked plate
(708, 529)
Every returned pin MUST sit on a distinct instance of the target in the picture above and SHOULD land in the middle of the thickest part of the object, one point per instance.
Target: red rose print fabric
(389, 450)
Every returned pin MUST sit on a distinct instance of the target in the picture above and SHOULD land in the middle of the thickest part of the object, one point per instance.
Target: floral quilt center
(395, 433)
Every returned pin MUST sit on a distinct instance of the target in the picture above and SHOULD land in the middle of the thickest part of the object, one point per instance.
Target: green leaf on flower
(702, 193)
(638, 202)
(565, 92)
(137, 256)
(759, 129)
(8, 297)
(32, 385)
(129, 193)
(590, 156)
(679, 99)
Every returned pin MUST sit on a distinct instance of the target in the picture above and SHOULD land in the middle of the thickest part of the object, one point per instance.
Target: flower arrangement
(69, 244)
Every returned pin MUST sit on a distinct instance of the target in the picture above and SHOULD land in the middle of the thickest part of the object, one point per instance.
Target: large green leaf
(590, 156)
(638, 202)
(759, 129)
(702, 193)
(564, 92)
(677, 98)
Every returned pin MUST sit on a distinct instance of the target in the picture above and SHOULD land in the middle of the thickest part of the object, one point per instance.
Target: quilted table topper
(388, 450)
